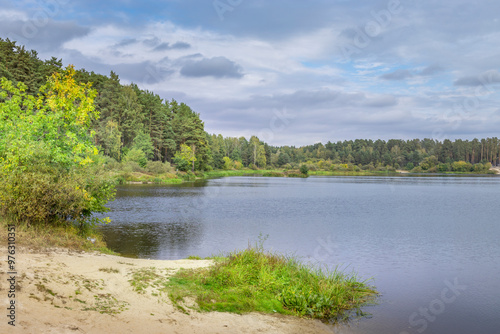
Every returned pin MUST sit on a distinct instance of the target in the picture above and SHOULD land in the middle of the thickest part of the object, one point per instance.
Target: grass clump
(109, 270)
(143, 278)
(255, 280)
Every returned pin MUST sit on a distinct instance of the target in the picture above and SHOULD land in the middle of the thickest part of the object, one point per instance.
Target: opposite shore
(144, 177)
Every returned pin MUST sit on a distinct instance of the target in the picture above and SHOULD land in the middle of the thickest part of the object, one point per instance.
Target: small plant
(144, 278)
(108, 304)
(109, 270)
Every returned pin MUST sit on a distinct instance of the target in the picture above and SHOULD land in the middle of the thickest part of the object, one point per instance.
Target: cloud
(217, 67)
(431, 70)
(43, 37)
(399, 74)
(177, 45)
(126, 42)
(485, 78)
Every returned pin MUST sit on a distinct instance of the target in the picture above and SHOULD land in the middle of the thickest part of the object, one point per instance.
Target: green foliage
(254, 280)
(461, 166)
(47, 174)
(184, 158)
(111, 140)
(444, 167)
(304, 170)
(131, 167)
(181, 164)
(143, 142)
(228, 163)
(136, 155)
(157, 167)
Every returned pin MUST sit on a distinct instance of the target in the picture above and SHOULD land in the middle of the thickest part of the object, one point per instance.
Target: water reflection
(168, 240)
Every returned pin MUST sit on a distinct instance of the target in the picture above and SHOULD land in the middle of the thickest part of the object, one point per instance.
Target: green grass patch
(254, 280)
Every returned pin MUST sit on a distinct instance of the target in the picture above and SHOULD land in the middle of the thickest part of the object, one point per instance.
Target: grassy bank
(253, 280)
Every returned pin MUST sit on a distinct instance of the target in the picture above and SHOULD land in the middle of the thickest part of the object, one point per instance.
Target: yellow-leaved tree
(47, 169)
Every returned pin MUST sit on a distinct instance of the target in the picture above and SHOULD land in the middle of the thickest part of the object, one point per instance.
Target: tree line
(138, 125)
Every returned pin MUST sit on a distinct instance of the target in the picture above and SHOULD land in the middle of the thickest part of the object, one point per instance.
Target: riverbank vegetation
(49, 173)
(253, 280)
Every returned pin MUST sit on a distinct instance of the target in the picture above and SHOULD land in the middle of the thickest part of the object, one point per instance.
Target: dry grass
(43, 237)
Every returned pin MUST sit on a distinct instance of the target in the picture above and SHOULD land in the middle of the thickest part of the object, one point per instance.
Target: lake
(431, 244)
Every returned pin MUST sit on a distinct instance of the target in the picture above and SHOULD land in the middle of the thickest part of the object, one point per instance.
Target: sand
(57, 289)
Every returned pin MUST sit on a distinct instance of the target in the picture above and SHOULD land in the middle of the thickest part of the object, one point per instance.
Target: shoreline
(82, 292)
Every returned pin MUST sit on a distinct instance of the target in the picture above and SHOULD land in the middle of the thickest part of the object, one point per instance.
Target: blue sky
(291, 72)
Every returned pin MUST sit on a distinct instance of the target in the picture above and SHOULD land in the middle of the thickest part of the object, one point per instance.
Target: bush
(444, 167)
(181, 164)
(131, 167)
(304, 170)
(136, 155)
(461, 166)
(369, 167)
(44, 194)
(157, 167)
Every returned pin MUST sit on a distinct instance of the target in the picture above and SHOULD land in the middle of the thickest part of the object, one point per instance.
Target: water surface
(431, 244)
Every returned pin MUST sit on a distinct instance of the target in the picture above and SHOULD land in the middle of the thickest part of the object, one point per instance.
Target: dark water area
(431, 244)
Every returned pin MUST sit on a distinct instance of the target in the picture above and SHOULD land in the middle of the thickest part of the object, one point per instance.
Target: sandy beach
(69, 292)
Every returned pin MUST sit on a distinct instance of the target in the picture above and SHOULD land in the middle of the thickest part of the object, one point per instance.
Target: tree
(184, 158)
(261, 156)
(111, 139)
(143, 142)
(47, 171)
(228, 163)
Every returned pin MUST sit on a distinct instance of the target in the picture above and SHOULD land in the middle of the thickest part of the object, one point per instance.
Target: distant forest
(138, 125)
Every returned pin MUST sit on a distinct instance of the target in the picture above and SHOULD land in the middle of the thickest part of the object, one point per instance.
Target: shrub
(131, 167)
(304, 170)
(444, 167)
(461, 166)
(157, 167)
(136, 155)
(44, 194)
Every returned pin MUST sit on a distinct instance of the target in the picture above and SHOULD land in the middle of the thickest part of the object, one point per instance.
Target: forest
(139, 126)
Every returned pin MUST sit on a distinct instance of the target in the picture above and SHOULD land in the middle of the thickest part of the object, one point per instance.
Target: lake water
(431, 244)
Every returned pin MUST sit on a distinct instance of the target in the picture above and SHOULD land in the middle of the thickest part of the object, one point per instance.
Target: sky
(291, 72)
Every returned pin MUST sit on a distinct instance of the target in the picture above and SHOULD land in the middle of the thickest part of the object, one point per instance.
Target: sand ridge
(69, 292)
